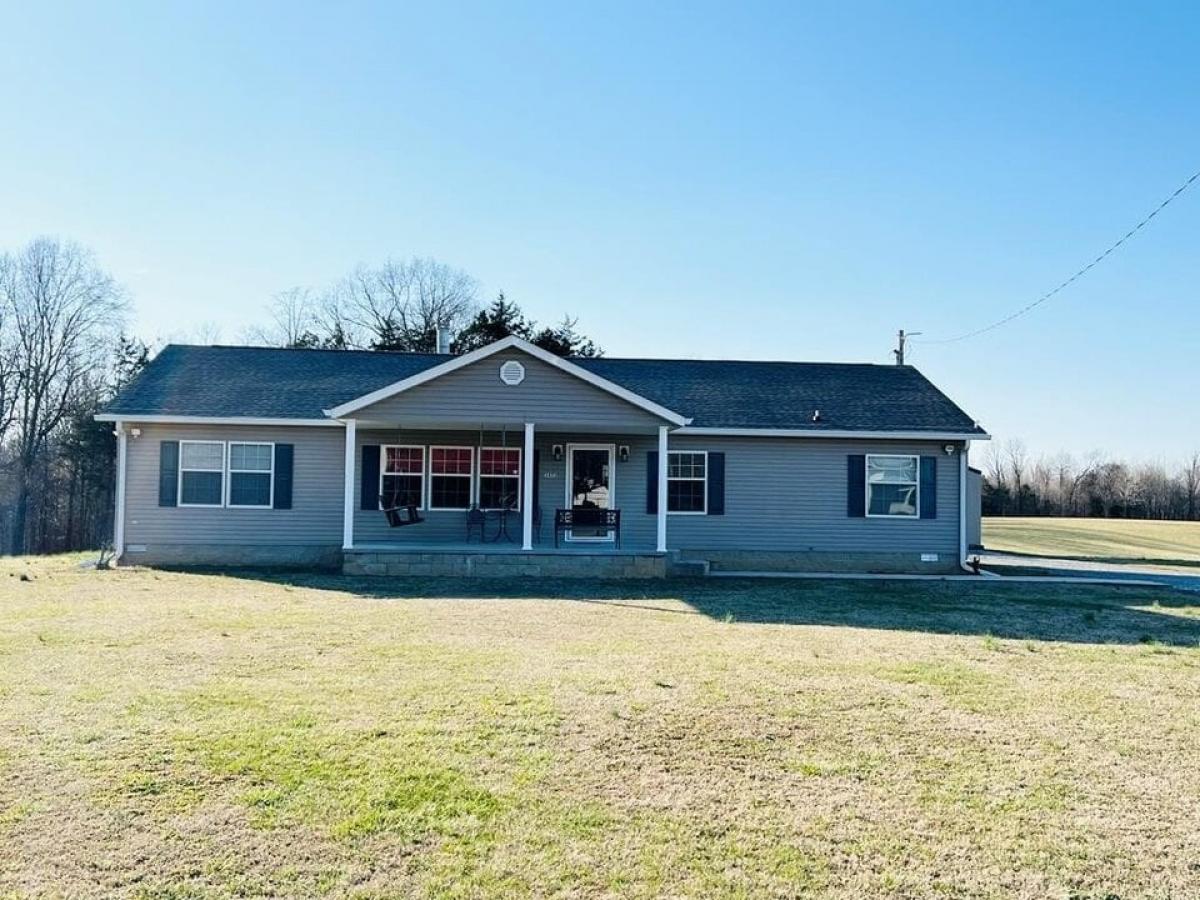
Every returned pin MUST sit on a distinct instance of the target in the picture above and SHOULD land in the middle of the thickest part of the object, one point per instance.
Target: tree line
(1017, 484)
(65, 351)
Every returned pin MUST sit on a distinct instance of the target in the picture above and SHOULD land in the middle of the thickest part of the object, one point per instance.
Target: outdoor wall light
(623, 453)
(557, 452)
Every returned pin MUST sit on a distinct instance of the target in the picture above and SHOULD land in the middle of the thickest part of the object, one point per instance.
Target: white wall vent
(512, 372)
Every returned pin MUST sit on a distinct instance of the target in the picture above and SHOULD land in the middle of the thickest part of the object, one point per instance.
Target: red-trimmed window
(450, 471)
(402, 476)
(500, 478)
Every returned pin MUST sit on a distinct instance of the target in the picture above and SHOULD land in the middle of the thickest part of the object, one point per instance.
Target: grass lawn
(188, 735)
(1108, 540)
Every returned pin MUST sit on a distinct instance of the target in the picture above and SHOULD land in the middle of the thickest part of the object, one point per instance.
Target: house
(510, 460)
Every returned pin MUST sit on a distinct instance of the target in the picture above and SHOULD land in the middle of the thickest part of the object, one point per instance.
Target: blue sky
(759, 181)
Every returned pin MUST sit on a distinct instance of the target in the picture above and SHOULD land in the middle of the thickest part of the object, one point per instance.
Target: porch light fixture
(557, 452)
(623, 453)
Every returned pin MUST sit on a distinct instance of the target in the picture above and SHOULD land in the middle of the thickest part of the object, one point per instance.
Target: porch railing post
(527, 477)
(662, 488)
(348, 486)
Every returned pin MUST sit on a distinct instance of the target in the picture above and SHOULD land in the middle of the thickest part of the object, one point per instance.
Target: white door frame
(612, 485)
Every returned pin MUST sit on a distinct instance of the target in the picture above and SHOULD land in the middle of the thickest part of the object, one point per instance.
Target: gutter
(213, 420)
(839, 434)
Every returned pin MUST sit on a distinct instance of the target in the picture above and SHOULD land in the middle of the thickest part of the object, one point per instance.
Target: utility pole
(901, 337)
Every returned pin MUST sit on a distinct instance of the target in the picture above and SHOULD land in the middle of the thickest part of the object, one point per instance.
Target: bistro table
(501, 516)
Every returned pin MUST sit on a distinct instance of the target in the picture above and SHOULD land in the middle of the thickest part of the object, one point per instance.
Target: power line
(1042, 299)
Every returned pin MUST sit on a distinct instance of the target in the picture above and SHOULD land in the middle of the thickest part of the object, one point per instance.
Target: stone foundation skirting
(275, 556)
(814, 561)
(481, 564)
(504, 565)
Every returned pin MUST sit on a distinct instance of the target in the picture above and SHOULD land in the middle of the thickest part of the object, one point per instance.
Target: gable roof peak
(512, 342)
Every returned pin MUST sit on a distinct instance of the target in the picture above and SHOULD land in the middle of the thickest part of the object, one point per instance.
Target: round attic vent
(512, 372)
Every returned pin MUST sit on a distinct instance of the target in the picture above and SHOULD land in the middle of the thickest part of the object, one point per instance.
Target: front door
(590, 484)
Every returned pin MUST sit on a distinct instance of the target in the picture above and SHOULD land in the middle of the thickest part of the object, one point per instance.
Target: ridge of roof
(578, 360)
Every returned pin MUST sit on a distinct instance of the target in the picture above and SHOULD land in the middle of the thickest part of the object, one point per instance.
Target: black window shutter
(283, 476)
(652, 482)
(928, 487)
(168, 473)
(369, 486)
(716, 484)
(856, 485)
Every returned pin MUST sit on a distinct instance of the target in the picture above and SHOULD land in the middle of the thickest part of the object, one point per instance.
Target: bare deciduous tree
(1017, 457)
(400, 305)
(1191, 484)
(63, 312)
(294, 321)
(9, 373)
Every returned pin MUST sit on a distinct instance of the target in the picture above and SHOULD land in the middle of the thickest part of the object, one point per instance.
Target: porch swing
(398, 515)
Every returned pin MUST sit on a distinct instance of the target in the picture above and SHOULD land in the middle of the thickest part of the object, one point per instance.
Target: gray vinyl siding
(974, 507)
(790, 494)
(314, 519)
(781, 494)
(548, 397)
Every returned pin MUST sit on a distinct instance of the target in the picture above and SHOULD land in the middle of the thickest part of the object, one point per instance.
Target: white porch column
(662, 488)
(527, 476)
(348, 498)
(119, 505)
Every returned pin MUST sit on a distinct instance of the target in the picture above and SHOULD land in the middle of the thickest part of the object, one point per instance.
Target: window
(450, 471)
(892, 486)
(499, 478)
(687, 482)
(201, 473)
(251, 474)
(402, 476)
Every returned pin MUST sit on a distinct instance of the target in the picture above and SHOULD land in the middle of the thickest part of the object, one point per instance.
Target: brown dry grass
(178, 735)
(1104, 540)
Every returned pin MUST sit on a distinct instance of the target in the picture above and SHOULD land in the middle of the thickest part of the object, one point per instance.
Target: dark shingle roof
(850, 396)
(264, 382)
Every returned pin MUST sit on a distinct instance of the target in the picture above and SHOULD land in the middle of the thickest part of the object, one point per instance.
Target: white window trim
(867, 486)
(480, 476)
(470, 476)
(179, 477)
(666, 500)
(230, 470)
(383, 449)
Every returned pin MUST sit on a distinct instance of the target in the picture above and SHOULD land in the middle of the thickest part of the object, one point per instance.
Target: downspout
(962, 507)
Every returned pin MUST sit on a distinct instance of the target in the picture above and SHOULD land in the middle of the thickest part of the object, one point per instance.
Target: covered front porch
(502, 490)
(505, 452)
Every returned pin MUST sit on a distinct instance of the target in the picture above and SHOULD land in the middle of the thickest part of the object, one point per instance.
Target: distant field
(1112, 540)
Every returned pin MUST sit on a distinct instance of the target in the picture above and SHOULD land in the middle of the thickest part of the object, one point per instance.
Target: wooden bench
(609, 520)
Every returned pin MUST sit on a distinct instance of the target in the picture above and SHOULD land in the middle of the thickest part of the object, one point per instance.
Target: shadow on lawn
(1077, 613)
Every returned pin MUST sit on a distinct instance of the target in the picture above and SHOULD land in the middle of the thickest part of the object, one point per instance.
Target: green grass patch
(183, 735)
